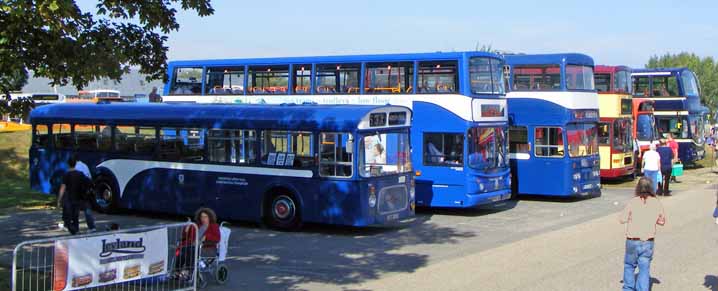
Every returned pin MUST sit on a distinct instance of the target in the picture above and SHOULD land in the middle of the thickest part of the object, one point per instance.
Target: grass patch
(15, 189)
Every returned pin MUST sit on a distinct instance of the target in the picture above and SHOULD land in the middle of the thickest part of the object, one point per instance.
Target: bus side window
(93, 137)
(548, 142)
(335, 156)
(41, 136)
(519, 140)
(276, 145)
(181, 144)
(231, 146)
(444, 149)
(62, 134)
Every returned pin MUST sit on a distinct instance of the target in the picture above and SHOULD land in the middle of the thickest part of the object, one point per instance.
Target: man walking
(89, 218)
(666, 154)
(674, 147)
(651, 165)
(641, 215)
(72, 191)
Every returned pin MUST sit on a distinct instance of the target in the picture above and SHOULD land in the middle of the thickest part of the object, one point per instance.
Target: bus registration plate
(392, 217)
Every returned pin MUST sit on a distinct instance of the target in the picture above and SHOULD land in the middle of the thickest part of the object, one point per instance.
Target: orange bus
(615, 130)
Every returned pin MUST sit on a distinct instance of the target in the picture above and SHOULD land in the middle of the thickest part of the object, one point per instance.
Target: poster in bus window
(109, 259)
(280, 159)
(271, 158)
(375, 149)
(289, 160)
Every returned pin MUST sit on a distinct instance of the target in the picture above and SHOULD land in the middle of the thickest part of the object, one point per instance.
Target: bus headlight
(576, 176)
(481, 187)
(575, 189)
(596, 173)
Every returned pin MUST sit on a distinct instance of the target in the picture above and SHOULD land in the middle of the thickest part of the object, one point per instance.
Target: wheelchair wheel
(201, 281)
(221, 274)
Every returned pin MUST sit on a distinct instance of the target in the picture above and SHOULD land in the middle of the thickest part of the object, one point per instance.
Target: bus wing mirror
(350, 146)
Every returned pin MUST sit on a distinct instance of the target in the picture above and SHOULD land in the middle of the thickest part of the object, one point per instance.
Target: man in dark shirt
(154, 97)
(666, 154)
(72, 196)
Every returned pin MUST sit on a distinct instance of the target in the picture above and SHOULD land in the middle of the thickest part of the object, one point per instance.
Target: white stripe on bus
(570, 100)
(461, 105)
(125, 170)
(519, 156)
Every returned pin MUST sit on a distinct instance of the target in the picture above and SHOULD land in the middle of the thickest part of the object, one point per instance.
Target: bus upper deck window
(389, 78)
(438, 77)
(187, 81)
(268, 80)
(337, 79)
(224, 81)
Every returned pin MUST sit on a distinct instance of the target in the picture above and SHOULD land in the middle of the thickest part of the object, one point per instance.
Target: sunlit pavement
(532, 244)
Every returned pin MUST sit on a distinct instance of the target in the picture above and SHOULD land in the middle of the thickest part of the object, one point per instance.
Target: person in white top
(652, 165)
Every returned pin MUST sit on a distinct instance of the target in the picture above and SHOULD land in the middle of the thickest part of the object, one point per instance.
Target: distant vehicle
(284, 164)
(553, 137)
(458, 135)
(95, 96)
(47, 98)
(677, 107)
(615, 130)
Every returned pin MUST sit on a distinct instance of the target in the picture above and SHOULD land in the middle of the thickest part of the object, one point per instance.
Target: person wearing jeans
(641, 215)
(666, 154)
(652, 165)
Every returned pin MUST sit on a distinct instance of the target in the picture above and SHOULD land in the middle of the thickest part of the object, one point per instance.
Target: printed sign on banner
(109, 259)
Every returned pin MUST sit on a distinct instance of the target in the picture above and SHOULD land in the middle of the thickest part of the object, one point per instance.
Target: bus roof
(604, 69)
(333, 59)
(550, 59)
(238, 116)
(658, 71)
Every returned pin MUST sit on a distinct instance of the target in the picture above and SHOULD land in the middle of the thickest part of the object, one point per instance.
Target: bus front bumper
(617, 172)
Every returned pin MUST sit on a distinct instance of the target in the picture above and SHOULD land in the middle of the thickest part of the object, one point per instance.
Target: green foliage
(706, 70)
(57, 40)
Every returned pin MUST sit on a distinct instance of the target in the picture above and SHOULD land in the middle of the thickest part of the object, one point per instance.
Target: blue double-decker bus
(460, 118)
(553, 116)
(284, 164)
(677, 107)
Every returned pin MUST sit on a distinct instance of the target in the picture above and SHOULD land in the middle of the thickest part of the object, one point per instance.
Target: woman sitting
(209, 235)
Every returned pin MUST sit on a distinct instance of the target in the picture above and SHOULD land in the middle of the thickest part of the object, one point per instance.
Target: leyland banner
(109, 259)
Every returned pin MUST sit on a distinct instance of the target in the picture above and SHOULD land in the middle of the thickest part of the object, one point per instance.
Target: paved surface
(536, 244)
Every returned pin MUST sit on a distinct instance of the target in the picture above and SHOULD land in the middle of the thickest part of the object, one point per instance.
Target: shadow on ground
(271, 260)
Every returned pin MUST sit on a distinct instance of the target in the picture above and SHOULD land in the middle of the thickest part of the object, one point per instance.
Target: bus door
(187, 181)
(544, 161)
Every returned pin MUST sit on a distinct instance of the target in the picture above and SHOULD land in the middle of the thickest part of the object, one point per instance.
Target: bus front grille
(393, 199)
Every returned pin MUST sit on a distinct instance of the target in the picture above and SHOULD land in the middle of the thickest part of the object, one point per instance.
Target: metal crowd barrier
(40, 265)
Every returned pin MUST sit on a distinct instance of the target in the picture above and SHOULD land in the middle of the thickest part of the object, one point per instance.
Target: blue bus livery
(553, 115)
(460, 125)
(343, 164)
(677, 107)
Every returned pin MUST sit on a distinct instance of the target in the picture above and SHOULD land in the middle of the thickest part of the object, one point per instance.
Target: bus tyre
(106, 195)
(282, 212)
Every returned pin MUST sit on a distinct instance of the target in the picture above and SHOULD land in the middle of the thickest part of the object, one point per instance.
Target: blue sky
(624, 32)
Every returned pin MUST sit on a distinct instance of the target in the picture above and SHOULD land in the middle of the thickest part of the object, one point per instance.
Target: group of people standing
(658, 164)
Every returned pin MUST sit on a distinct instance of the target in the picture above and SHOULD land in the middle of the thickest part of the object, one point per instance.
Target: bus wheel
(283, 212)
(106, 195)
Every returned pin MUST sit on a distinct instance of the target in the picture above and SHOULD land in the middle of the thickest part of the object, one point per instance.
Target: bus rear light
(418, 173)
(576, 176)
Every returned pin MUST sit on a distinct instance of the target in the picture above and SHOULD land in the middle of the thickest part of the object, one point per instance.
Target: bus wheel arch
(106, 193)
(281, 208)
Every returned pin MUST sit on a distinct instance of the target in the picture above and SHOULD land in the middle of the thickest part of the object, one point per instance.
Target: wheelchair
(210, 261)
(212, 264)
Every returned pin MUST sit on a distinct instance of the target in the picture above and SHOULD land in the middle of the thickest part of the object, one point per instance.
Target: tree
(57, 40)
(706, 70)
